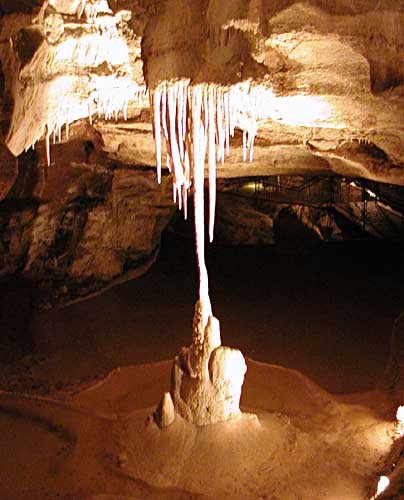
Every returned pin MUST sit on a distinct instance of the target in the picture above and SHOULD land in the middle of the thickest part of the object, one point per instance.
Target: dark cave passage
(327, 312)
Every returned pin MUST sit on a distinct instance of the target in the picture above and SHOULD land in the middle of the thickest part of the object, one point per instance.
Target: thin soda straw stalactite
(157, 130)
(47, 141)
(212, 158)
(197, 122)
(199, 148)
(220, 127)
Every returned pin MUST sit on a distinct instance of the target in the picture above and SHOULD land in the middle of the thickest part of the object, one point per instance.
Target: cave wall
(90, 227)
(79, 200)
(330, 72)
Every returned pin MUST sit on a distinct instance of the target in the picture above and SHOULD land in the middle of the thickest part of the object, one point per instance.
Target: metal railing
(352, 198)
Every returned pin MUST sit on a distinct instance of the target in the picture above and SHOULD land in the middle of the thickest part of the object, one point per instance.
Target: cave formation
(277, 122)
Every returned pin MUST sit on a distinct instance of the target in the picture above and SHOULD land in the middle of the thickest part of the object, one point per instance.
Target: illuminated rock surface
(206, 378)
(312, 87)
(331, 77)
(306, 88)
(97, 441)
(92, 227)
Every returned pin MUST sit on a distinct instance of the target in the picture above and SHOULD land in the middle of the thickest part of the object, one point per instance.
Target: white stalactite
(47, 147)
(212, 158)
(67, 127)
(220, 127)
(108, 104)
(227, 121)
(196, 122)
(164, 111)
(199, 143)
(157, 130)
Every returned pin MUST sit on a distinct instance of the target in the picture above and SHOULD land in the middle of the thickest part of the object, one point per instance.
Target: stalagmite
(164, 414)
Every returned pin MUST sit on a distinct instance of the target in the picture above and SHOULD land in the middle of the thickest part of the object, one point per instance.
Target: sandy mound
(99, 442)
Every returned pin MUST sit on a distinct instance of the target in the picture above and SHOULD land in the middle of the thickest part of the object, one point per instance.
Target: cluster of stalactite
(196, 121)
(102, 103)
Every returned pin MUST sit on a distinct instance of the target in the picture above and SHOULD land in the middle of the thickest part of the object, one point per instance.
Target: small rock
(122, 459)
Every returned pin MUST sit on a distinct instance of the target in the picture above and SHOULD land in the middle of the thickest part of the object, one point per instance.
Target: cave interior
(190, 173)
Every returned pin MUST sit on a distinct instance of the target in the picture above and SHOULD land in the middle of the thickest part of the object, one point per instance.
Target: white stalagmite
(196, 121)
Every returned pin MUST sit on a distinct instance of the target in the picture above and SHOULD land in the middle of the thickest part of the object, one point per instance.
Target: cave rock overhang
(323, 83)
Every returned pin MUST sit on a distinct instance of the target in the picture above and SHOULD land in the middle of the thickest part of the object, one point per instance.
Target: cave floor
(314, 327)
(99, 442)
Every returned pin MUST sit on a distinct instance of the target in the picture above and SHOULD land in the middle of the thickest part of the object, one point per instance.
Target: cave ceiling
(322, 80)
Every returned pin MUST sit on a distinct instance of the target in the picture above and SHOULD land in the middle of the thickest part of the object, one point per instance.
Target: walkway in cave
(374, 208)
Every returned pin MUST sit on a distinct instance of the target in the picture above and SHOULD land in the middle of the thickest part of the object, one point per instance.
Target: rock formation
(90, 226)
(207, 377)
(306, 87)
(300, 87)
(327, 78)
(165, 413)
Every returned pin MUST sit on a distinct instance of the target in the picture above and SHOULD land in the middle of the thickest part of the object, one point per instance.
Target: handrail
(335, 193)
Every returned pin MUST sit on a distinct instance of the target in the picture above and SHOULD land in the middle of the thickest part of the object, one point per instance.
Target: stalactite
(174, 143)
(212, 158)
(90, 112)
(226, 107)
(164, 111)
(47, 146)
(67, 127)
(196, 122)
(199, 150)
(179, 122)
(157, 130)
(107, 104)
(220, 126)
